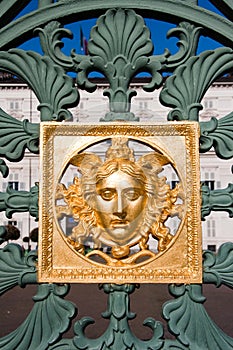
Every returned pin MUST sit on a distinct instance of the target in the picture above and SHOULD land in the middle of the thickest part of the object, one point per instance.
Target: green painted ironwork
(176, 10)
(3, 233)
(51, 310)
(16, 136)
(218, 134)
(118, 333)
(53, 88)
(13, 201)
(119, 47)
(189, 321)
(16, 268)
(218, 268)
(217, 200)
(4, 168)
(185, 89)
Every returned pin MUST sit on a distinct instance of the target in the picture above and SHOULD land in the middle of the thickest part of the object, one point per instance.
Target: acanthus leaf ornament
(53, 88)
(218, 268)
(51, 309)
(127, 56)
(16, 268)
(184, 90)
(16, 136)
(64, 344)
(188, 36)
(182, 315)
(119, 52)
(218, 133)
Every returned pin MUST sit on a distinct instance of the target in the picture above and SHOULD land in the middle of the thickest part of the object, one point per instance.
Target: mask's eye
(107, 194)
(132, 194)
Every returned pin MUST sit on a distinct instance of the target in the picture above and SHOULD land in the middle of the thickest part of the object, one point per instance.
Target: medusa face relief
(120, 207)
(119, 204)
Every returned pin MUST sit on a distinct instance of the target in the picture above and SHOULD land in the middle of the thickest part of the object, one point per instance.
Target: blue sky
(158, 33)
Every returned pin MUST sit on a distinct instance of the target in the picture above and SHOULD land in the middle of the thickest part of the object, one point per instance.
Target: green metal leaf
(49, 318)
(16, 269)
(3, 167)
(120, 32)
(190, 323)
(13, 201)
(217, 200)
(188, 36)
(218, 134)
(53, 88)
(185, 89)
(16, 136)
(218, 268)
(3, 233)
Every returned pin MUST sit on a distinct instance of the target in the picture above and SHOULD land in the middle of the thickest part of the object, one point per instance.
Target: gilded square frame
(181, 263)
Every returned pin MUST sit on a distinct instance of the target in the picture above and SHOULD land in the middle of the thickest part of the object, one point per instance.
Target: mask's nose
(120, 207)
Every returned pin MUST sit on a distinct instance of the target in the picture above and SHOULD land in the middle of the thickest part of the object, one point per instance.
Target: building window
(22, 186)
(209, 104)
(14, 185)
(211, 228)
(13, 223)
(15, 105)
(212, 247)
(14, 181)
(143, 105)
(210, 184)
(209, 180)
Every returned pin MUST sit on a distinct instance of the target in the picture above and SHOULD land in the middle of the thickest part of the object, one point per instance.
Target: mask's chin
(119, 236)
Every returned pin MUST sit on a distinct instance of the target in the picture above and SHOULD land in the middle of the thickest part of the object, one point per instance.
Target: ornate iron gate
(120, 47)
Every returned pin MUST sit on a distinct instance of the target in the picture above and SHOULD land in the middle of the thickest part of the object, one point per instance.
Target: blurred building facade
(19, 101)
